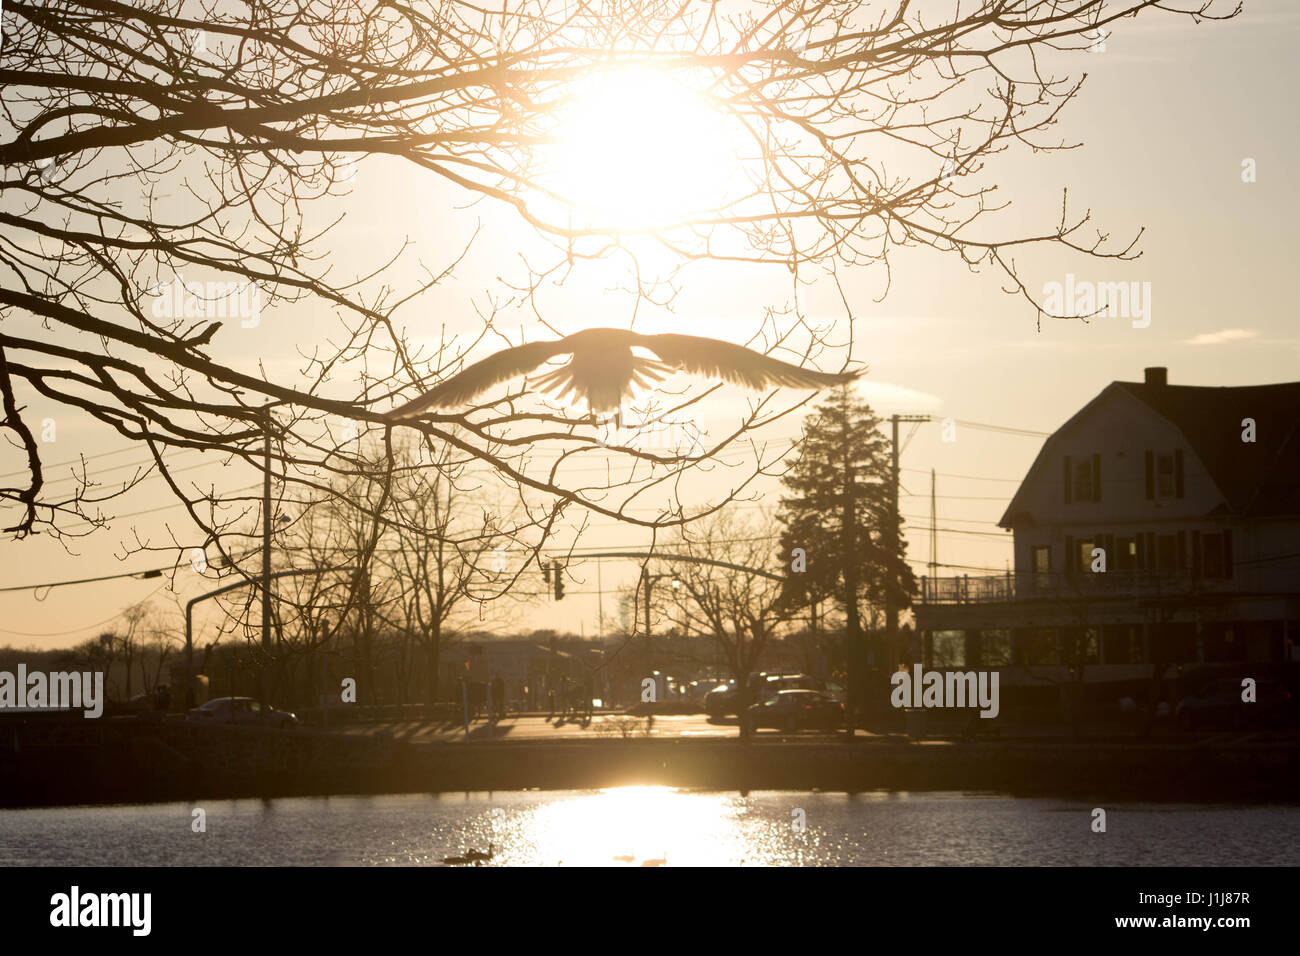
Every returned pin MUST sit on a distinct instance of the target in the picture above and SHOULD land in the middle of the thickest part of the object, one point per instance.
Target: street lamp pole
(650, 579)
(266, 556)
(649, 644)
(189, 617)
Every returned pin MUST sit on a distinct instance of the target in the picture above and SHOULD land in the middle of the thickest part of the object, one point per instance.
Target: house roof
(1257, 479)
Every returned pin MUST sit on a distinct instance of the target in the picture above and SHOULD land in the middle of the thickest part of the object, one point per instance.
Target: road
(614, 726)
(536, 727)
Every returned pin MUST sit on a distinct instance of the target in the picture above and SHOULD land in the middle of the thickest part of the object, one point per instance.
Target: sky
(1169, 113)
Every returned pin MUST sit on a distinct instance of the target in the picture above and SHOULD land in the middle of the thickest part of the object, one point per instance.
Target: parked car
(697, 690)
(1218, 706)
(242, 710)
(797, 710)
(724, 700)
(768, 685)
(721, 701)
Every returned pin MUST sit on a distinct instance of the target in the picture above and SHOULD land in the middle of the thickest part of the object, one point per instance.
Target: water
(631, 825)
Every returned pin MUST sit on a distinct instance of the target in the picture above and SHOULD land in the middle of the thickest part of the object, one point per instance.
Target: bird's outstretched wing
(482, 375)
(735, 363)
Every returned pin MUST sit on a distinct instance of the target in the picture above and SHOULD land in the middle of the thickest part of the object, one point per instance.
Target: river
(634, 826)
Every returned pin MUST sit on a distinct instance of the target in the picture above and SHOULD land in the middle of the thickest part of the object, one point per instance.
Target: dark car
(722, 700)
(242, 710)
(768, 685)
(1218, 706)
(797, 710)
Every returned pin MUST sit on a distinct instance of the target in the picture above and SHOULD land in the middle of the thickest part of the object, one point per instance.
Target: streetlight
(650, 579)
(189, 617)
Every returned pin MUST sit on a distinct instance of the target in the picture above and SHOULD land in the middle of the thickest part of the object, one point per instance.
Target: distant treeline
(393, 669)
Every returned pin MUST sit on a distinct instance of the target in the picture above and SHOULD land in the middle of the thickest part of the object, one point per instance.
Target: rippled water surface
(638, 826)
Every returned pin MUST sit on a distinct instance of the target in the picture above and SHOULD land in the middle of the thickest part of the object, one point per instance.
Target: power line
(74, 461)
(74, 630)
(913, 494)
(149, 511)
(93, 478)
(946, 474)
(989, 534)
(577, 554)
(926, 518)
(107, 577)
(1005, 429)
(147, 573)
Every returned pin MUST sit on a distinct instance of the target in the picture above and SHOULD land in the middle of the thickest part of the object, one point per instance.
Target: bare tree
(407, 558)
(739, 611)
(452, 554)
(164, 168)
(138, 621)
(146, 140)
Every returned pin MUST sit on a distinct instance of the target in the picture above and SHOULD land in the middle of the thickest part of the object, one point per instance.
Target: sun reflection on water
(640, 826)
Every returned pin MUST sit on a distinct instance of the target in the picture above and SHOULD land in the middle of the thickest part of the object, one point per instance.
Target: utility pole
(600, 601)
(934, 535)
(650, 579)
(894, 538)
(266, 557)
(649, 644)
(852, 623)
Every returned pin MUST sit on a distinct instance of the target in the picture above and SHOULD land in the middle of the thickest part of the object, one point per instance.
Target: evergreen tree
(837, 509)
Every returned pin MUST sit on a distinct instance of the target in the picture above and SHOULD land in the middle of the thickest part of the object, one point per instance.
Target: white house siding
(1251, 616)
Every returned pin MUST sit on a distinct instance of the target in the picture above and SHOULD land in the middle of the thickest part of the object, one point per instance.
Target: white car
(242, 710)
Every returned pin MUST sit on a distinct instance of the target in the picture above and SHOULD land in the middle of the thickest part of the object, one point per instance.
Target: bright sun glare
(638, 149)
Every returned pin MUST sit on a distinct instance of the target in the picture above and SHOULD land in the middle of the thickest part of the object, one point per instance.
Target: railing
(1031, 585)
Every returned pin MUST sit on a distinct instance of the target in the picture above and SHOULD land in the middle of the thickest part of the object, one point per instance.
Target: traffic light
(559, 582)
(546, 575)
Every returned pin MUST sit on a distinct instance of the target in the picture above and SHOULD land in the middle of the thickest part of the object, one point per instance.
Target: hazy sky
(1168, 114)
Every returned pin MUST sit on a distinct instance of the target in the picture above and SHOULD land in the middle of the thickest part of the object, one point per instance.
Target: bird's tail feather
(603, 392)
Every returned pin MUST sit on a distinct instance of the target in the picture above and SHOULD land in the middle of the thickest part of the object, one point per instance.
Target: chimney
(1157, 375)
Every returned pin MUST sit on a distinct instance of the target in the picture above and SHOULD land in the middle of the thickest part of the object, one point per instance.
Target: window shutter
(1196, 554)
(1096, 477)
(1067, 479)
(1140, 559)
(1069, 554)
(1227, 552)
(1151, 475)
(1182, 550)
(1178, 472)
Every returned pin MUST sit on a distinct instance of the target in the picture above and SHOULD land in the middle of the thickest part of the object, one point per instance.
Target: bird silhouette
(603, 369)
(475, 857)
(478, 856)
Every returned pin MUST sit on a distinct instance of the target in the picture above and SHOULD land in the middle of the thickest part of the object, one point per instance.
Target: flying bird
(604, 370)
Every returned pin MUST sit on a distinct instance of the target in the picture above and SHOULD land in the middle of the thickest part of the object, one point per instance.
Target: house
(1160, 525)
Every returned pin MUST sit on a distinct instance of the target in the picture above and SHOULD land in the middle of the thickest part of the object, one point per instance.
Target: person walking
(499, 696)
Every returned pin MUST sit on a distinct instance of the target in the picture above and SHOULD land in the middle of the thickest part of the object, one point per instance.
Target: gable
(1259, 478)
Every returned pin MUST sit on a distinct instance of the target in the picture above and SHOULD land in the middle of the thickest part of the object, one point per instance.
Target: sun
(639, 149)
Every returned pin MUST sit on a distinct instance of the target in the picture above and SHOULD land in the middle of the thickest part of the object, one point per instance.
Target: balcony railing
(1030, 585)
